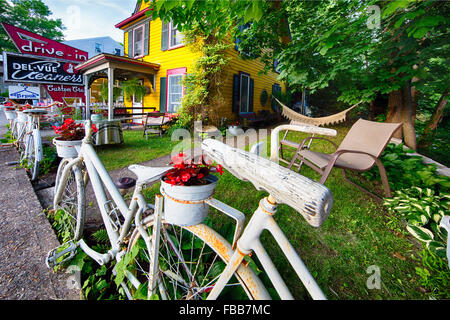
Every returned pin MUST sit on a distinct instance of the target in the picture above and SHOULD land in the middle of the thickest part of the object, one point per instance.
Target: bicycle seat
(35, 112)
(311, 199)
(146, 175)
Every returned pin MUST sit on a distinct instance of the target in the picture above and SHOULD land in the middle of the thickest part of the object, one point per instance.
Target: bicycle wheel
(191, 260)
(32, 157)
(72, 199)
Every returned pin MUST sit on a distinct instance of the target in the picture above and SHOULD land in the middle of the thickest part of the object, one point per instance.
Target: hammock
(296, 117)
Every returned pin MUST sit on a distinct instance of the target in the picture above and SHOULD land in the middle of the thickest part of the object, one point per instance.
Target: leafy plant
(434, 275)
(133, 87)
(423, 209)
(70, 130)
(188, 173)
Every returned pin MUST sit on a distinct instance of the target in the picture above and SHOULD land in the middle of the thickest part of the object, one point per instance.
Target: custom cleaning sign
(21, 68)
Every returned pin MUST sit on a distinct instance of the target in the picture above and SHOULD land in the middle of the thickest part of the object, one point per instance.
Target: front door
(137, 103)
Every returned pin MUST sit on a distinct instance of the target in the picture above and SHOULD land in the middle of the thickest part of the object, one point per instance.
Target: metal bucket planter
(234, 130)
(10, 114)
(96, 117)
(185, 205)
(66, 149)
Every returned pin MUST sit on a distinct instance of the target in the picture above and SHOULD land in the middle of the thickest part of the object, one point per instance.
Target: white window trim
(248, 93)
(168, 101)
(143, 40)
(170, 38)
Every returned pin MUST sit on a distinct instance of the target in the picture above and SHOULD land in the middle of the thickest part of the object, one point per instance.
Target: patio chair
(154, 122)
(359, 151)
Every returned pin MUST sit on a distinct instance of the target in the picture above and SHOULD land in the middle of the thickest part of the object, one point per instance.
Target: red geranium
(190, 173)
(70, 130)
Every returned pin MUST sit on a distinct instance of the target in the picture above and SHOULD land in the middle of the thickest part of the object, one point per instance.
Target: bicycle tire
(244, 284)
(72, 199)
(32, 157)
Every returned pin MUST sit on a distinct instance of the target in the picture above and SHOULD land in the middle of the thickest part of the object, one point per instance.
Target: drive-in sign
(20, 68)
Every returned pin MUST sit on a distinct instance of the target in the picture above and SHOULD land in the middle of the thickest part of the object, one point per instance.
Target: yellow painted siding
(185, 57)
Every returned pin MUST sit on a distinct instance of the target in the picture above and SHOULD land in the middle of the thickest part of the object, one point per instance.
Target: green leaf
(420, 233)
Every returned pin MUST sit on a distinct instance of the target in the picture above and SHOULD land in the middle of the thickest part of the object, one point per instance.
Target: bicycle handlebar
(311, 199)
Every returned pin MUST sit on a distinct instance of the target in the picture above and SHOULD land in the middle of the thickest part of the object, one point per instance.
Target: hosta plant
(423, 209)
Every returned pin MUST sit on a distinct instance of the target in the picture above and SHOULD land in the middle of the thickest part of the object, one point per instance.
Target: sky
(91, 18)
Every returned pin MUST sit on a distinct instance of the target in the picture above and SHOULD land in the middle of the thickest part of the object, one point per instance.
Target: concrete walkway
(25, 238)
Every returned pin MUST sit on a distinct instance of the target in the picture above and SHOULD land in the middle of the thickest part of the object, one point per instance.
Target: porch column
(87, 93)
(110, 93)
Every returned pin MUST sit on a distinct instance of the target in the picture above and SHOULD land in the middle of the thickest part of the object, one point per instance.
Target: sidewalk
(25, 238)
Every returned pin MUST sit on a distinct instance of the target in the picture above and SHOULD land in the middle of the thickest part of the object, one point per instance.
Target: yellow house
(157, 43)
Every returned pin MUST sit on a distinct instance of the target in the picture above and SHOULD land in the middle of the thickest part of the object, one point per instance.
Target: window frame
(241, 75)
(169, 45)
(170, 74)
(142, 26)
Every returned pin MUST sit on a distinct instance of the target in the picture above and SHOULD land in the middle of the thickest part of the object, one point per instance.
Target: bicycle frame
(262, 219)
(98, 175)
(245, 240)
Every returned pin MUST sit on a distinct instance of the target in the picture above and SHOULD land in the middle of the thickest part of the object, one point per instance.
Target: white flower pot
(185, 205)
(10, 114)
(234, 130)
(66, 149)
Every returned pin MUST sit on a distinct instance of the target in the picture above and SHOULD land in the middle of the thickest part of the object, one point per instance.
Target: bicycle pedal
(67, 252)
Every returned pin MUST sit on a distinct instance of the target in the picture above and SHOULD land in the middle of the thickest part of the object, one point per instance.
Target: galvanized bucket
(185, 205)
(10, 114)
(66, 149)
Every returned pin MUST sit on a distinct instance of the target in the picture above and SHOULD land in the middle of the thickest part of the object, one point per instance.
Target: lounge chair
(154, 122)
(359, 151)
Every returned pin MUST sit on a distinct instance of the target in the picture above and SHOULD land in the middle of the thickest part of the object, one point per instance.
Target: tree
(367, 48)
(31, 15)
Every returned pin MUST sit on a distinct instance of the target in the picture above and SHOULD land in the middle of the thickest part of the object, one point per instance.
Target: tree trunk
(435, 119)
(400, 109)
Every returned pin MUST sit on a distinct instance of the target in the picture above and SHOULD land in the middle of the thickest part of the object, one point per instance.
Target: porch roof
(106, 60)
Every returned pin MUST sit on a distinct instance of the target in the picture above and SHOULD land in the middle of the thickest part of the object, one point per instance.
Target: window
(244, 92)
(98, 47)
(138, 42)
(175, 90)
(176, 38)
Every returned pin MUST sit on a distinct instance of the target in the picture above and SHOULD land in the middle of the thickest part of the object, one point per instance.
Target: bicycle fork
(250, 241)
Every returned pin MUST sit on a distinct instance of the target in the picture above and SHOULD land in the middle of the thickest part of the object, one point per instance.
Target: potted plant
(185, 189)
(133, 87)
(10, 111)
(234, 128)
(70, 134)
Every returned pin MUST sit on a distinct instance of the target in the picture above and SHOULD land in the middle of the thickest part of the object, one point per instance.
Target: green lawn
(135, 149)
(359, 233)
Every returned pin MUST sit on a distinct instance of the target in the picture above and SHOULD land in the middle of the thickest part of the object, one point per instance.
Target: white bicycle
(154, 256)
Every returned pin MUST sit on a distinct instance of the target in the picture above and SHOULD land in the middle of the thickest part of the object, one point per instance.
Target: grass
(358, 234)
(135, 149)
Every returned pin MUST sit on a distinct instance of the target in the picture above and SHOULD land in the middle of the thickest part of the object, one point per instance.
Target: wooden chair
(359, 151)
(154, 122)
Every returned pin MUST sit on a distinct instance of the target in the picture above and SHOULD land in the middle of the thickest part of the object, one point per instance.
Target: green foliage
(32, 15)
(132, 87)
(404, 170)
(434, 275)
(423, 210)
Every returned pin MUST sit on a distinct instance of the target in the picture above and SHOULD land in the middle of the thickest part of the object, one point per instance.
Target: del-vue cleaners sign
(21, 68)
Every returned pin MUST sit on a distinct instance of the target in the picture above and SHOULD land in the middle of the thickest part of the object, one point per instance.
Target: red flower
(189, 172)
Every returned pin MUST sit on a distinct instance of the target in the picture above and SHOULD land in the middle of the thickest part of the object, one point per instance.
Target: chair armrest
(275, 135)
(315, 138)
